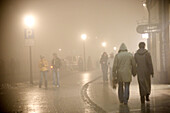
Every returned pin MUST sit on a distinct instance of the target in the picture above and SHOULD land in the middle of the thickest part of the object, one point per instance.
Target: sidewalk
(107, 98)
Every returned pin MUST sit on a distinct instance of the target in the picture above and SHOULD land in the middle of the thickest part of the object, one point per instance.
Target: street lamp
(29, 21)
(60, 49)
(144, 4)
(29, 35)
(114, 48)
(104, 45)
(83, 37)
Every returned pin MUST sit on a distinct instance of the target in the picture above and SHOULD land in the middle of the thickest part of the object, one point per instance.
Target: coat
(144, 70)
(124, 65)
(43, 65)
(56, 63)
(103, 61)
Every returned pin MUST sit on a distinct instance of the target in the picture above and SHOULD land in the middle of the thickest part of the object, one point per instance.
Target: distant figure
(123, 68)
(110, 66)
(104, 67)
(43, 64)
(80, 63)
(144, 71)
(56, 63)
(89, 63)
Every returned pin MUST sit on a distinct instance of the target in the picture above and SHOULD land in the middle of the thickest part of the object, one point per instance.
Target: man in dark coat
(56, 63)
(144, 70)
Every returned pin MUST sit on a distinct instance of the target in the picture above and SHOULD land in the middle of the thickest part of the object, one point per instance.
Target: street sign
(29, 33)
(148, 28)
(29, 42)
(29, 37)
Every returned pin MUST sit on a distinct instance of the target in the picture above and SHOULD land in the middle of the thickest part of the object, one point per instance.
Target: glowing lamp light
(104, 44)
(114, 48)
(83, 36)
(51, 67)
(144, 4)
(59, 49)
(29, 21)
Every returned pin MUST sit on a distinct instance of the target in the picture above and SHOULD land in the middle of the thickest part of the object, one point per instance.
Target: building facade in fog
(158, 41)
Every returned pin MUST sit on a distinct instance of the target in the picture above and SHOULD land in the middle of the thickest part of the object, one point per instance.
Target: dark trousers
(123, 92)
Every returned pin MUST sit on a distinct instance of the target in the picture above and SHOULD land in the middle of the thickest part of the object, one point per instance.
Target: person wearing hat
(56, 63)
(43, 64)
(124, 67)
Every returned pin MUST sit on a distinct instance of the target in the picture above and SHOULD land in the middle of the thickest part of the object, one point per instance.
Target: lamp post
(104, 45)
(29, 35)
(114, 48)
(83, 37)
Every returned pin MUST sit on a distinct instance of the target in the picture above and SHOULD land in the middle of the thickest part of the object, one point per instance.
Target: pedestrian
(123, 68)
(144, 71)
(104, 67)
(110, 66)
(56, 64)
(43, 65)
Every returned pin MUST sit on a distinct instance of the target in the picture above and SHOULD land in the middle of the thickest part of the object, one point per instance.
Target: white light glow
(144, 4)
(114, 48)
(84, 36)
(145, 36)
(60, 49)
(104, 44)
(29, 21)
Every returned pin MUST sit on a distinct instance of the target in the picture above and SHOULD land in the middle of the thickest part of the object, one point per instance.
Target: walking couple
(126, 65)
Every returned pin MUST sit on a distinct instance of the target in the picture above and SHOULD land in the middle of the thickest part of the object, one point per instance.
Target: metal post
(84, 56)
(31, 78)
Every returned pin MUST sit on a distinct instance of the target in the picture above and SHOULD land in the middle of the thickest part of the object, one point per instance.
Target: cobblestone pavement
(80, 93)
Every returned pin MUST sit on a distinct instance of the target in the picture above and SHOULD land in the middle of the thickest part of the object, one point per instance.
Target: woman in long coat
(104, 66)
(144, 71)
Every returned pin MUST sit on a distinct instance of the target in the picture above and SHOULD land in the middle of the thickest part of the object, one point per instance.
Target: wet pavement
(80, 93)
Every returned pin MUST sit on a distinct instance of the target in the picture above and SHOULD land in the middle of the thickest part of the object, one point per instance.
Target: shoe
(142, 98)
(147, 97)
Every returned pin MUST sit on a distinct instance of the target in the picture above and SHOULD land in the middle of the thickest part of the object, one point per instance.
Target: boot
(46, 84)
(142, 98)
(147, 97)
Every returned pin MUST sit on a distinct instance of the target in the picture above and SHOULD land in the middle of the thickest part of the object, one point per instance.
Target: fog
(59, 25)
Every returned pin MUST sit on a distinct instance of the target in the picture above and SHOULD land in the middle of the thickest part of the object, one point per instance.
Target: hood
(123, 47)
(141, 51)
